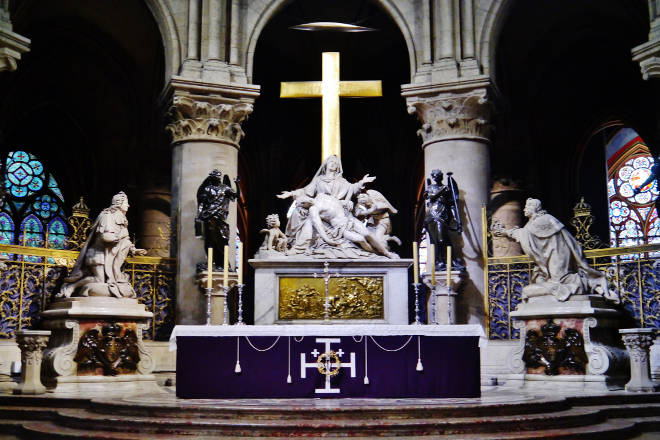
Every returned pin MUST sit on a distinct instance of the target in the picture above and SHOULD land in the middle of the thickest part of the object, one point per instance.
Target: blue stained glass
(27, 180)
(37, 167)
(20, 156)
(6, 229)
(18, 191)
(32, 231)
(36, 184)
(52, 185)
(57, 233)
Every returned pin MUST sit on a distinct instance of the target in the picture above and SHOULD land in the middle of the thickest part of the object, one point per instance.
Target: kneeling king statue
(561, 269)
(97, 271)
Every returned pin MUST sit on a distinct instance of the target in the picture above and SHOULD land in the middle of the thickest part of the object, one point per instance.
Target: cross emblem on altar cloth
(329, 89)
(329, 365)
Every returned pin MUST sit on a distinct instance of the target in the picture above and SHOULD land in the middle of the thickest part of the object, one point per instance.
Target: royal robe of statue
(561, 269)
(97, 271)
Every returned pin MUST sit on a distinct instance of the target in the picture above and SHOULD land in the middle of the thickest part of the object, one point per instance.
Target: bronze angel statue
(213, 198)
(442, 216)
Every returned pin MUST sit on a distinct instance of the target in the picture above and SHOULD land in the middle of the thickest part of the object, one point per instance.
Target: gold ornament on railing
(80, 224)
(582, 221)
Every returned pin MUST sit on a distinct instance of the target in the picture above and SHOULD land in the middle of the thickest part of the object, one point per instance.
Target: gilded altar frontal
(349, 297)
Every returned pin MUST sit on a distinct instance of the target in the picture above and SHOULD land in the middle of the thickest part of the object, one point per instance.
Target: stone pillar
(455, 128)
(648, 54)
(155, 222)
(506, 204)
(637, 342)
(32, 344)
(206, 131)
(12, 45)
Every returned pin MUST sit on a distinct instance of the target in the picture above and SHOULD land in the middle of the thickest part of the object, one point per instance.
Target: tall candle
(226, 267)
(240, 263)
(432, 262)
(209, 278)
(448, 266)
(415, 263)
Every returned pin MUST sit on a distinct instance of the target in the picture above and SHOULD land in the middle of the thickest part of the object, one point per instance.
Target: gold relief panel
(350, 298)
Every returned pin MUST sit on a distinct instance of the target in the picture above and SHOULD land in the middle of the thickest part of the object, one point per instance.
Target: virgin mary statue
(328, 181)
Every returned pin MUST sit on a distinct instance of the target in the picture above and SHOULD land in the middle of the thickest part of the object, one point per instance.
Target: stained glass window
(33, 201)
(632, 212)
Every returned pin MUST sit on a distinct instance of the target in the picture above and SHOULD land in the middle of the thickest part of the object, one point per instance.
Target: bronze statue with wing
(213, 198)
(442, 216)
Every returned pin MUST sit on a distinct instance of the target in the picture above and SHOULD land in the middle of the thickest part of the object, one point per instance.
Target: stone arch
(490, 34)
(274, 7)
(162, 15)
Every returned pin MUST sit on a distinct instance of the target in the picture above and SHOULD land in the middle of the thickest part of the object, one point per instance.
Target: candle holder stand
(240, 304)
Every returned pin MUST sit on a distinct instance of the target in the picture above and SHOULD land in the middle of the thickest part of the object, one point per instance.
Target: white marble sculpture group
(333, 218)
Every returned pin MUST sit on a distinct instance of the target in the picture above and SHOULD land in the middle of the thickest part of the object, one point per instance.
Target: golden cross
(329, 89)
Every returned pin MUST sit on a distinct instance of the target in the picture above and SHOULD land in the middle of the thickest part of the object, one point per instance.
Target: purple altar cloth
(206, 367)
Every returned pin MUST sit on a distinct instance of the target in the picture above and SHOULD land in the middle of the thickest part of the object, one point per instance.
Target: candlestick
(209, 279)
(225, 308)
(432, 264)
(415, 263)
(240, 305)
(240, 263)
(448, 266)
(416, 286)
(209, 291)
(226, 267)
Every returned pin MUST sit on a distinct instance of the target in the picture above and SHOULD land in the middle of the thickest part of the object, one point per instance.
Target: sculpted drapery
(561, 269)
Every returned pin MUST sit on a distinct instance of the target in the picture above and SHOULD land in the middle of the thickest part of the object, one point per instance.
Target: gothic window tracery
(33, 202)
(633, 216)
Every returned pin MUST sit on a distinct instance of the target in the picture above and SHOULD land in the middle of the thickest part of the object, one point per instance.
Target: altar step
(617, 416)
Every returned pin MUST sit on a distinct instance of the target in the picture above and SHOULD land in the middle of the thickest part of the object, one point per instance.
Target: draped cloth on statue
(303, 237)
(561, 269)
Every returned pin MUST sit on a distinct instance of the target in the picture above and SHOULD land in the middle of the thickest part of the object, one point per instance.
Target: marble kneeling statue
(97, 271)
(561, 269)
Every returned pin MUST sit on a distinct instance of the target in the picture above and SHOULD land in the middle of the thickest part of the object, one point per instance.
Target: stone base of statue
(441, 303)
(568, 346)
(218, 295)
(96, 347)
(293, 291)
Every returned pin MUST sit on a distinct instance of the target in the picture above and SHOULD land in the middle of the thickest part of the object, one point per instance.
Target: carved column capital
(638, 341)
(12, 45)
(207, 112)
(451, 111)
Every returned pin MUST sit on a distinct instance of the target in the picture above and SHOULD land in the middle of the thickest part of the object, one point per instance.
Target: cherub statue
(561, 269)
(213, 198)
(275, 240)
(97, 271)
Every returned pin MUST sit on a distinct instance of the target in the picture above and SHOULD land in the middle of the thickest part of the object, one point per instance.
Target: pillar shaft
(455, 133)
(206, 132)
(193, 29)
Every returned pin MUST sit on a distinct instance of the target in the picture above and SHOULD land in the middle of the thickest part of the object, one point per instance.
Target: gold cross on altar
(329, 89)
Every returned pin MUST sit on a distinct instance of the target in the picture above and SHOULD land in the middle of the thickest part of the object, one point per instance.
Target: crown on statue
(582, 208)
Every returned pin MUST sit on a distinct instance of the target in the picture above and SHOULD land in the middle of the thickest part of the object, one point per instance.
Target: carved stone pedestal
(32, 344)
(96, 347)
(441, 305)
(637, 342)
(568, 346)
(218, 296)
(365, 291)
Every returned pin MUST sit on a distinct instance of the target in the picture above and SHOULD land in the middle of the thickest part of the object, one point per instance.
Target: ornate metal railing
(33, 276)
(633, 271)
